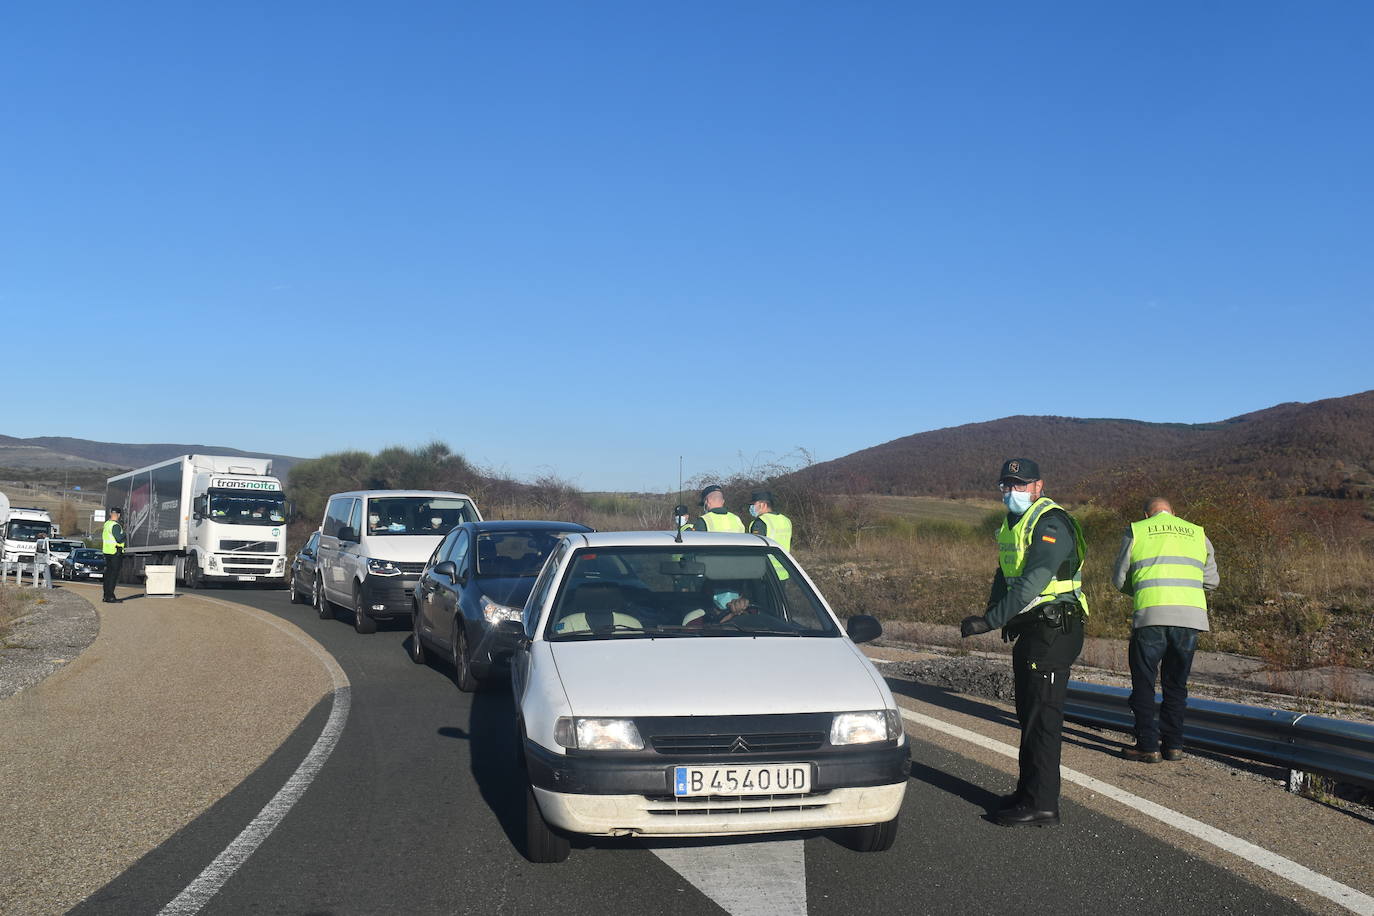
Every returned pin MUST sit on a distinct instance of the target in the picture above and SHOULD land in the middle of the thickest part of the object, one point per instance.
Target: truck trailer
(218, 519)
(20, 530)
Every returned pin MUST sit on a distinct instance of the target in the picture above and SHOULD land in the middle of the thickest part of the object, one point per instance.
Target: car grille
(728, 743)
(249, 546)
(672, 806)
(410, 569)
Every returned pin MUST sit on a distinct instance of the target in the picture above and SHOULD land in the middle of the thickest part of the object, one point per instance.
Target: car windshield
(85, 553)
(25, 530)
(627, 592)
(418, 515)
(238, 508)
(513, 554)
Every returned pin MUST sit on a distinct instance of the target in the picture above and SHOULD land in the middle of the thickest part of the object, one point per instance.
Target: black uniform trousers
(1040, 662)
(113, 562)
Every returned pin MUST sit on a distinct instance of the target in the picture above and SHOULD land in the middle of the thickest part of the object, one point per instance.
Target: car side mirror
(446, 568)
(513, 629)
(863, 628)
(348, 534)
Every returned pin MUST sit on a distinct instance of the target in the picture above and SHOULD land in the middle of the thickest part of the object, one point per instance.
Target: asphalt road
(420, 810)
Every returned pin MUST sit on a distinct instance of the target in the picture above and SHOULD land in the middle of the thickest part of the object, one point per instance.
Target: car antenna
(679, 510)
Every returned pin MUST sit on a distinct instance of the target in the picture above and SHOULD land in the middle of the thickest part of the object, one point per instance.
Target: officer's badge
(1013, 466)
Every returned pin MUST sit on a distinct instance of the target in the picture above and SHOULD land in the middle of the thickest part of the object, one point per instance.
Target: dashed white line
(1336, 892)
(198, 893)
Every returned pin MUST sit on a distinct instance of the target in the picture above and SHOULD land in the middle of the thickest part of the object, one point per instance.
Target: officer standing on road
(112, 546)
(1166, 564)
(714, 516)
(770, 524)
(1037, 599)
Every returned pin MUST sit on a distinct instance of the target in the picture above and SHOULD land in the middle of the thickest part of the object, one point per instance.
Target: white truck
(217, 518)
(21, 528)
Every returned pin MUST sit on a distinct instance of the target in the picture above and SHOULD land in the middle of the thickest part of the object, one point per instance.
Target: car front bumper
(385, 597)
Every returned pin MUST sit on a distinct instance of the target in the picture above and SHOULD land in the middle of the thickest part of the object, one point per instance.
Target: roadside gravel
(61, 625)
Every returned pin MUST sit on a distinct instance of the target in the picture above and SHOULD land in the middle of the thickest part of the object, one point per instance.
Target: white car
(698, 687)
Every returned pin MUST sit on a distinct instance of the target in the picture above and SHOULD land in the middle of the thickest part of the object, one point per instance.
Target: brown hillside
(1323, 448)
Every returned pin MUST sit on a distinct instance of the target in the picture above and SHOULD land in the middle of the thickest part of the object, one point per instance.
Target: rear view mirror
(863, 628)
(446, 568)
(348, 534)
(681, 568)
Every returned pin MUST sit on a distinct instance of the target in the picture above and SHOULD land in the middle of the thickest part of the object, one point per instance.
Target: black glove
(972, 626)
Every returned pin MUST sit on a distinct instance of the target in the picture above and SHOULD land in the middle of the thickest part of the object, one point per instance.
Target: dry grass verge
(14, 603)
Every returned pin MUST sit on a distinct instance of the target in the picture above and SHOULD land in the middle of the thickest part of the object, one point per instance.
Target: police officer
(112, 546)
(1037, 599)
(770, 524)
(714, 515)
(1166, 564)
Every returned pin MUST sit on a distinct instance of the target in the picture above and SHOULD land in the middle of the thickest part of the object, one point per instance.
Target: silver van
(374, 544)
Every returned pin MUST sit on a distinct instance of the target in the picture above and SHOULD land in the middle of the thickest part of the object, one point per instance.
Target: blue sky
(592, 237)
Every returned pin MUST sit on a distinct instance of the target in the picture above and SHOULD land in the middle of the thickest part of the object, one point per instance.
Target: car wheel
(192, 573)
(291, 587)
(361, 622)
(417, 647)
(543, 843)
(873, 838)
(322, 605)
(462, 666)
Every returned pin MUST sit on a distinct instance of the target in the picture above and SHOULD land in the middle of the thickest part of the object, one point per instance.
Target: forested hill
(1321, 448)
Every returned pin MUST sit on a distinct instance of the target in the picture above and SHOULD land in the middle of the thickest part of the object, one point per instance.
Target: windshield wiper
(751, 631)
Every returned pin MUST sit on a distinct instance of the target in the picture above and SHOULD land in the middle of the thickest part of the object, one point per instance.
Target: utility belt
(1058, 615)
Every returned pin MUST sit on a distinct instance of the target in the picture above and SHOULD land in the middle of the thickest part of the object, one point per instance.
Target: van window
(424, 516)
(337, 515)
(355, 519)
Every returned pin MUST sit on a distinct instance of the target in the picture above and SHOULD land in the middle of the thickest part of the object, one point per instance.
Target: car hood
(715, 676)
(510, 592)
(404, 548)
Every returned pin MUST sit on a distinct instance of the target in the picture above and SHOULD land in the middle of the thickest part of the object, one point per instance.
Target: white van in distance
(374, 544)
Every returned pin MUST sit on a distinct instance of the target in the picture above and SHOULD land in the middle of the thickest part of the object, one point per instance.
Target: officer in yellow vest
(1037, 599)
(770, 524)
(112, 546)
(714, 515)
(1167, 565)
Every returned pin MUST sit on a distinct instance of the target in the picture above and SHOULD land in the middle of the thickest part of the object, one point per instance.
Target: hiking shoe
(1172, 753)
(1139, 756)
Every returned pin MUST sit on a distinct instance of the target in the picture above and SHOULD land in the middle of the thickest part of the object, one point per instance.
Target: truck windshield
(423, 515)
(238, 508)
(22, 529)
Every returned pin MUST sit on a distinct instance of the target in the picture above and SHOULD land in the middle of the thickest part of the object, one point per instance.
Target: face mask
(1017, 501)
(435, 522)
(754, 510)
(725, 598)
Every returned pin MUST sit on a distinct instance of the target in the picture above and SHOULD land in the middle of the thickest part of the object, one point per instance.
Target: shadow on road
(495, 756)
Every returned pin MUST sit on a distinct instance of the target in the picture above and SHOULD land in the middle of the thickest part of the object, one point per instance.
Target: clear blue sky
(592, 237)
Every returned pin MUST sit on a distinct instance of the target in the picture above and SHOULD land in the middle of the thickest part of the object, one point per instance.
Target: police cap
(763, 496)
(708, 491)
(1021, 470)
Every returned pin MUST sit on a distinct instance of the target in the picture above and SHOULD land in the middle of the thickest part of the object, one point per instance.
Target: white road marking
(745, 879)
(208, 883)
(1347, 897)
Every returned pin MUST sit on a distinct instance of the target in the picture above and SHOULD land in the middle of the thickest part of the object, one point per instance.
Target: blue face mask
(753, 510)
(1017, 501)
(724, 598)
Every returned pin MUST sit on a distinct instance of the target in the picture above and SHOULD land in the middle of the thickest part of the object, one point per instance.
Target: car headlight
(495, 613)
(598, 734)
(383, 568)
(865, 727)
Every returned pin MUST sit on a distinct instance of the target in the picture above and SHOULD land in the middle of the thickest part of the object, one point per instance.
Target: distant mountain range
(61, 452)
(1322, 448)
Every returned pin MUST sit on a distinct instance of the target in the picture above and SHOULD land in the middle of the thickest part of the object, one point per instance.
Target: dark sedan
(83, 563)
(478, 576)
(301, 578)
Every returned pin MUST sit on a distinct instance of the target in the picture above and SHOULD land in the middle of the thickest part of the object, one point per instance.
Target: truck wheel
(873, 838)
(192, 573)
(543, 843)
(361, 622)
(462, 667)
(322, 605)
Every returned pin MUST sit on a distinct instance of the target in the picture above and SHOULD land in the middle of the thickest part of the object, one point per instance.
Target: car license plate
(761, 779)
(248, 578)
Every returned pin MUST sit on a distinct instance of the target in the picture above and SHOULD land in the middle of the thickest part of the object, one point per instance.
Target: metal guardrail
(1298, 741)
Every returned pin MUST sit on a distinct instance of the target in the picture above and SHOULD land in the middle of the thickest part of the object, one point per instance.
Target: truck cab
(236, 531)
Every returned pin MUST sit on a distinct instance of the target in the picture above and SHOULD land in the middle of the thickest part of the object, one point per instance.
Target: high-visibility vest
(1168, 558)
(1013, 542)
(723, 521)
(779, 528)
(108, 544)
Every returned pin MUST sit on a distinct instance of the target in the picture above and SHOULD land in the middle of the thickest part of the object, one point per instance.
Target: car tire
(543, 844)
(361, 622)
(462, 666)
(873, 838)
(191, 574)
(417, 647)
(291, 586)
(322, 604)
